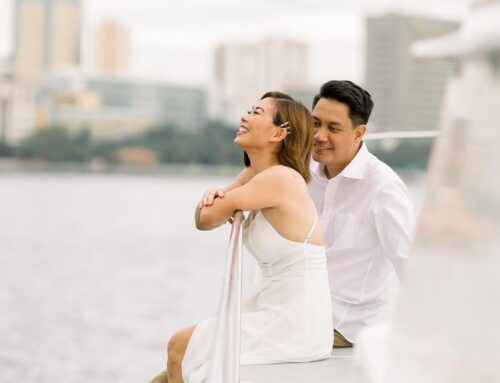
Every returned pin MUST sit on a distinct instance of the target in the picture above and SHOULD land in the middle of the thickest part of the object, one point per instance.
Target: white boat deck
(337, 368)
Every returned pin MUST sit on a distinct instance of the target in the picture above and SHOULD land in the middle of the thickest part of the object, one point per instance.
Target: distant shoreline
(12, 166)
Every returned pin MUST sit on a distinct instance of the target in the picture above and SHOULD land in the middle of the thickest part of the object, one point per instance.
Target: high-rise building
(47, 35)
(112, 47)
(244, 71)
(17, 106)
(114, 106)
(407, 92)
(182, 107)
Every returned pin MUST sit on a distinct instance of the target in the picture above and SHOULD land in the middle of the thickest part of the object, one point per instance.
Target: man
(366, 211)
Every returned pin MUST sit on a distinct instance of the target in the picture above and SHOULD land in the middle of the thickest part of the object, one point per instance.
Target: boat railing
(225, 362)
(400, 134)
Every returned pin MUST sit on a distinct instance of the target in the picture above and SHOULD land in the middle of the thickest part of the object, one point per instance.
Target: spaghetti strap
(312, 228)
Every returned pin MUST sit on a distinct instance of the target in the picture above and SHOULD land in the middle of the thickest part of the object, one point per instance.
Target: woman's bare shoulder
(283, 175)
(286, 171)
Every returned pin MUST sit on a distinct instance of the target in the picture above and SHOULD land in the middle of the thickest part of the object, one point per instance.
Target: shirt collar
(355, 169)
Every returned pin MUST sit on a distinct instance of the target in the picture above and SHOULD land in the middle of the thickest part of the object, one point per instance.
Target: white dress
(288, 316)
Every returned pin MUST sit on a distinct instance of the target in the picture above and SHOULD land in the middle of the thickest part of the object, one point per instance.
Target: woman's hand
(207, 200)
(209, 197)
(211, 194)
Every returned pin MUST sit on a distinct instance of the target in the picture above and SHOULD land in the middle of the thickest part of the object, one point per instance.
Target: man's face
(336, 141)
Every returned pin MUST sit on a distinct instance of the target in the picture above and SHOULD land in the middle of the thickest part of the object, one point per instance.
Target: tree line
(211, 144)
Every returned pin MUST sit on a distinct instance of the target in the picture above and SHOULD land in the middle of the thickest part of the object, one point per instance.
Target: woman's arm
(210, 195)
(261, 191)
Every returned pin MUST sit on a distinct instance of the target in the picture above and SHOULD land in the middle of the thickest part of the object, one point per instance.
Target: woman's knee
(177, 344)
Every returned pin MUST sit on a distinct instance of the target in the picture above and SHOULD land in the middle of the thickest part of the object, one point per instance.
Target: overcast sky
(174, 40)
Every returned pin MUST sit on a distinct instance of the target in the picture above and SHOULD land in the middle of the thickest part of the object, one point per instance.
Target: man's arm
(393, 213)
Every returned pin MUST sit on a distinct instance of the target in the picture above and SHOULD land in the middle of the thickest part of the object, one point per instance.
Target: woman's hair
(295, 150)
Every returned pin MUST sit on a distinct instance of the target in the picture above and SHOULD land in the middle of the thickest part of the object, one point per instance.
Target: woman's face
(257, 127)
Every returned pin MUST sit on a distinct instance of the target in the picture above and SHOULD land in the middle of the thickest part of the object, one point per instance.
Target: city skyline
(334, 32)
(47, 36)
(410, 100)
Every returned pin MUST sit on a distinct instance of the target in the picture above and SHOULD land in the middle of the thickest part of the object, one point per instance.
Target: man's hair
(356, 98)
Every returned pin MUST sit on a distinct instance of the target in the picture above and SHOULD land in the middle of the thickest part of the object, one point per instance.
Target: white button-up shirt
(368, 220)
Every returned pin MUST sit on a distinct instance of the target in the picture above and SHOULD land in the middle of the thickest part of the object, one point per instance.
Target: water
(96, 272)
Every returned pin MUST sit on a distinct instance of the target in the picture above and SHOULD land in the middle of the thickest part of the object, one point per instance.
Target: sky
(174, 40)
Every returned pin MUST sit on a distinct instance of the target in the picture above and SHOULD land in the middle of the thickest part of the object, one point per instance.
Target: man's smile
(320, 147)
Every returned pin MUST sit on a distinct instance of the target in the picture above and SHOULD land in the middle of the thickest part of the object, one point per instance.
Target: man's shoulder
(379, 173)
(384, 183)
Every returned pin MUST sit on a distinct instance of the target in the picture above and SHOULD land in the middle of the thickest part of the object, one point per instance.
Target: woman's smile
(242, 130)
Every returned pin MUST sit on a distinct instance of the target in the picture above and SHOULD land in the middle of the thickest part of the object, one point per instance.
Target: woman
(288, 318)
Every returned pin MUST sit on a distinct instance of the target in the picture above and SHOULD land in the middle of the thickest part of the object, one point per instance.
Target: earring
(286, 126)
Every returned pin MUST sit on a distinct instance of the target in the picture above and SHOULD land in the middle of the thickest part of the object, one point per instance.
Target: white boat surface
(337, 368)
